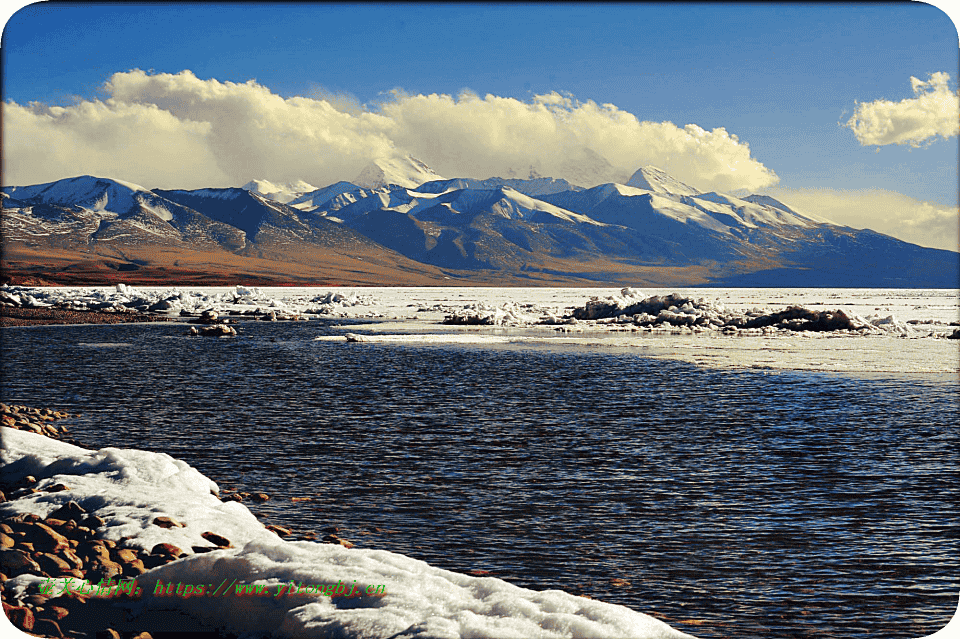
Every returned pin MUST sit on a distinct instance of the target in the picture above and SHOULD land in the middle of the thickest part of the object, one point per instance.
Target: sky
(848, 111)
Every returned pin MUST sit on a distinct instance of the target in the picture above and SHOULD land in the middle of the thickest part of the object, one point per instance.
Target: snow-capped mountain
(283, 193)
(650, 178)
(406, 171)
(398, 227)
(535, 186)
(87, 209)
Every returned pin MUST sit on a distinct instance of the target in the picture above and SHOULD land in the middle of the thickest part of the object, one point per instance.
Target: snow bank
(129, 488)
(123, 298)
(675, 310)
(483, 314)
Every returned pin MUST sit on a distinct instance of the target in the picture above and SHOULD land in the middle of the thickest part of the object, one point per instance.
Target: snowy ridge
(533, 186)
(502, 201)
(329, 198)
(283, 193)
(406, 171)
(650, 178)
(96, 194)
(129, 488)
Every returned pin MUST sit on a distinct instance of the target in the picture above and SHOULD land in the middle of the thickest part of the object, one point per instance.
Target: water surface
(727, 503)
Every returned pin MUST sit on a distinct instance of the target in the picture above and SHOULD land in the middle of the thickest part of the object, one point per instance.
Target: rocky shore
(67, 544)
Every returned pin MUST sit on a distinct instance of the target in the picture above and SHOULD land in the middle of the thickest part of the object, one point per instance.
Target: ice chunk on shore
(128, 488)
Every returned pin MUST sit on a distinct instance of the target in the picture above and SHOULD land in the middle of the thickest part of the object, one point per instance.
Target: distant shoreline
(14, 316)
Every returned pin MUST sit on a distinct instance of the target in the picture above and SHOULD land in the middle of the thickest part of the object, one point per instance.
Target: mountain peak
(650, 178)
(406, 171)
(85, 190)
(279, 192)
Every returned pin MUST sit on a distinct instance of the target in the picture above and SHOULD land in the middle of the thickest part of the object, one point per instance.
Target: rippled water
(728, 503)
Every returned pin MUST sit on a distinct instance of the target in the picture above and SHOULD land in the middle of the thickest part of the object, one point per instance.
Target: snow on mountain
(502, 201)
(634, 207)
(240, 208)
(650, 178)
(766, 200)
(283, 193)
(533, 186)
(749, 213)
(406, 171)
(93, 193)
(330, 198)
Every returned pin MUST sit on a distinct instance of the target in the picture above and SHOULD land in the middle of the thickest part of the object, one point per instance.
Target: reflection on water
(730, 504)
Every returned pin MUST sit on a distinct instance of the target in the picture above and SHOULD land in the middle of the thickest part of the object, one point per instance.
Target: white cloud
(924, 223)
(138, 143)
(176, 130)
(934, 111)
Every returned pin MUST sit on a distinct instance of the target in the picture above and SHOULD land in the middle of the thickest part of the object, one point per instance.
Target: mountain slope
(654, 231)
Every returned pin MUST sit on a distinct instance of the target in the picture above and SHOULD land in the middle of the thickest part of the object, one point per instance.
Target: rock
(955, 334)
(18, 562)
(45, 538)
(55, 612)
(260, 496)
(52, 564)
(217, 540)
(193, 331)
(92, 521)
(57, 488)
(125, 555)
(167, 522)
(167, 550)
(46, 628)
(280, 530)
(20, 616)
(94, 550)
(100, 569)
(69, 511)
(71, 558)
(218, 330)
(142, 635)
(28, 480)
(202, 549)
(6, 541)
(333, 539)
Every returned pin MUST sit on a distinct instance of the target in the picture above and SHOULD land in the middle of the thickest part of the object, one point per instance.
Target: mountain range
(399, 223)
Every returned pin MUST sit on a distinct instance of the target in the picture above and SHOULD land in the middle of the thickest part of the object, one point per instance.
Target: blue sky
(782, 78)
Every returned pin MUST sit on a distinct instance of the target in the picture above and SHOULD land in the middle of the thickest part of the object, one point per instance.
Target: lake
(747, 503)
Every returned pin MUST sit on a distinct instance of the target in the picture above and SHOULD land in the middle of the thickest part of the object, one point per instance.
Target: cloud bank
(934, 111)
(924, 223)
(177, 130)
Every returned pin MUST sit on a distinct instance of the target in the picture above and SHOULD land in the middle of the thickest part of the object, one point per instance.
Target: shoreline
(137, 501)
(12, 316)
(65, 545)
